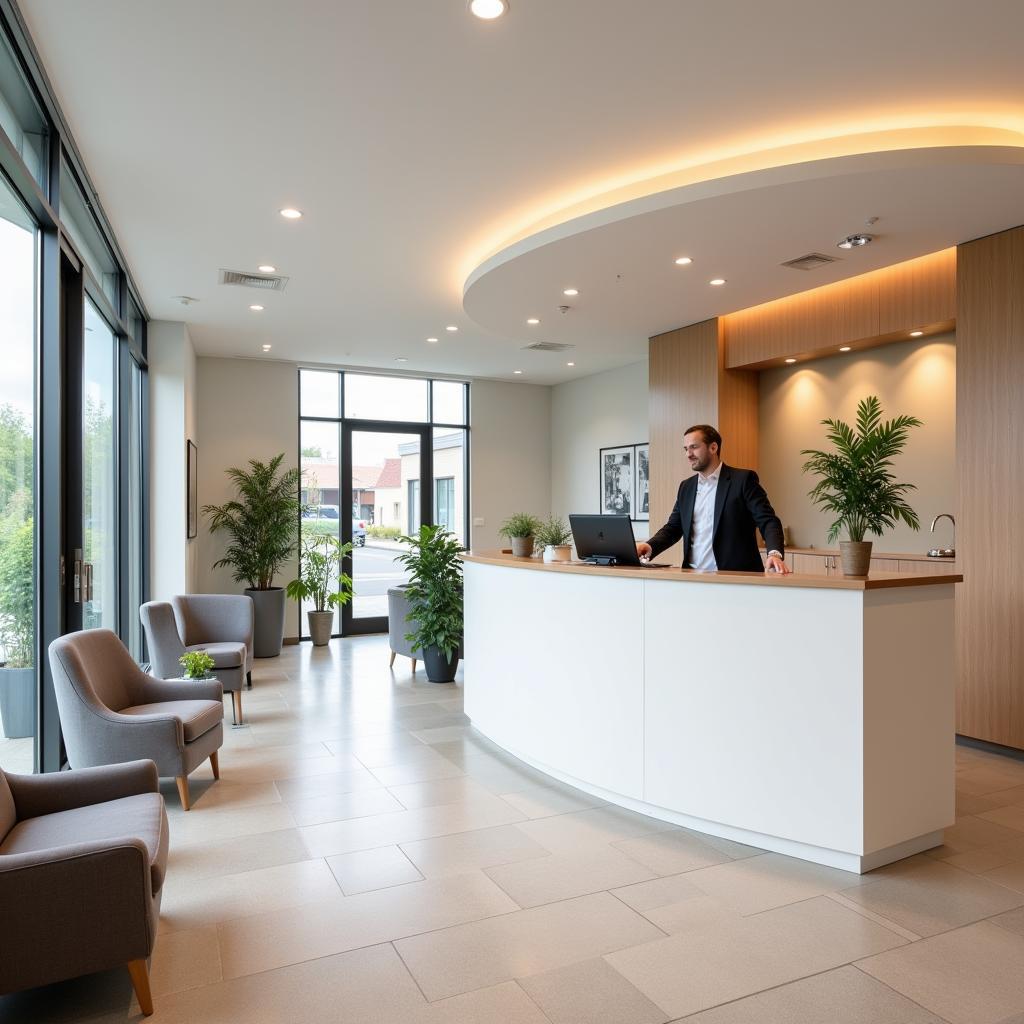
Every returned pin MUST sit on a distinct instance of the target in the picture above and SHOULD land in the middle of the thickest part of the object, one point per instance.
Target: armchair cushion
(61, 791)
(225, 655)
(197, 716)
(8, 816)
(140, 817)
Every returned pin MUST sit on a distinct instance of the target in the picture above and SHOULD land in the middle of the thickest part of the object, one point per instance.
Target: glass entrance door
(381, 501)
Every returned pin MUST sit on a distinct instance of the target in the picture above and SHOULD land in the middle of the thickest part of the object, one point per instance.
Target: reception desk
(808, 715)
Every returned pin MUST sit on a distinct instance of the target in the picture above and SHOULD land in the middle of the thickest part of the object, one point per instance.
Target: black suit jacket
(740, 505)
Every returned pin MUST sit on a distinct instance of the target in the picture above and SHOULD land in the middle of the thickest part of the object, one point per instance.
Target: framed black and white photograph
(192, 506)
(617, 480)
(642, 486)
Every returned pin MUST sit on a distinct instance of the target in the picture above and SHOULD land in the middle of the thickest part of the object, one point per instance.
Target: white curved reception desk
(808, 715)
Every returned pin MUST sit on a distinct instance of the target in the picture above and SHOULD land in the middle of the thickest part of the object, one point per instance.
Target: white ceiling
(428, 149)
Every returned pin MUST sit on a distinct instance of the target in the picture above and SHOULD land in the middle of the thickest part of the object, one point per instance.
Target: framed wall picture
(192, 501)
(617, 483)
(642, 486)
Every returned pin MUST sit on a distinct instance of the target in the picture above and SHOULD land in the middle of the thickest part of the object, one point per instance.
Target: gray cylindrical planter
(268, 624)
(321, 625)
(439, 668)
(522, 547)
(18, 702)
(855, 556)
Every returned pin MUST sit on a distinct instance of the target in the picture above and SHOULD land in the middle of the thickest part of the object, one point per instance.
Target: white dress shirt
(702, 554)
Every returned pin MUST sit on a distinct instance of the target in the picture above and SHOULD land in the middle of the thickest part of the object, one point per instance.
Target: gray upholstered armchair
(220, 624)
(398, 614)
(82, 861)
(111, 711)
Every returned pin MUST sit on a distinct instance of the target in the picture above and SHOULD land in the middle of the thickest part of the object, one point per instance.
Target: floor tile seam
(540, 1009)
(207, 843)
(408, 970)
(250, 871)
(818, 896)
(650, 867)
(891, 988)
(872, 915)
(654, 924)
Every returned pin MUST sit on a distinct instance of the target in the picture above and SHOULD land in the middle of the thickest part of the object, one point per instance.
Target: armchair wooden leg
(391, 663)
(139, 970)
(182, 781)
(414, 666)
(248, 680)
(236, 707)
(215, 763)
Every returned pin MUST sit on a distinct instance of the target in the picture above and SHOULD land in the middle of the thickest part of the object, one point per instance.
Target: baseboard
(992, 748)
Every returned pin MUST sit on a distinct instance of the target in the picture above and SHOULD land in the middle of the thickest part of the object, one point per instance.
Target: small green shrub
(554, 532)
(520, 524)
(384, 532)
(197, 664)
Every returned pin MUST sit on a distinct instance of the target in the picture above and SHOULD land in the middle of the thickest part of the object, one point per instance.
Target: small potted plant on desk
(196, 665)
(322, 582)
(553, 538)
(435, 599)
(520, 529)
(856, 482)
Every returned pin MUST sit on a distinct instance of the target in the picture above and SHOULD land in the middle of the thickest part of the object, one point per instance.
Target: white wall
(913, 377)
(600, 411)
(510, 456)
(172, 376)
(245, 409)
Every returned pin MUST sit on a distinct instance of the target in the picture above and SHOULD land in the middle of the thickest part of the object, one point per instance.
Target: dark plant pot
(18, 702)
(268, 624)
(439, 668)
(855, 557)
(522, 547)
(321, 625)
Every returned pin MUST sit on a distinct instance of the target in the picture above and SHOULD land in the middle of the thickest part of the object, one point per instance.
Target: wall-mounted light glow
(717, 281)
(517, 372)
(401, 359)
(433, 341)
(290, 213)
(256, 309)
(266, 348)
(790, 360)
(683, 261)
(266, 268)
(533, 321)
(844, 348)
(570, 291)
(452, 328)
(916, 334)
(488, 10)
(570, 364)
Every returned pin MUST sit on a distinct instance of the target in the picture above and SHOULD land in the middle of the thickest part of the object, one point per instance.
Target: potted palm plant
(17, 635)
(553, 538)
(435, 599)
(262, 524)
(520, 529)
(322, 582)
(856, 482)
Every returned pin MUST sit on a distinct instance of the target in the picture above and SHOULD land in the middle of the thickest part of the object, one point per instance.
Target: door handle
(76, 577)
(87, 581)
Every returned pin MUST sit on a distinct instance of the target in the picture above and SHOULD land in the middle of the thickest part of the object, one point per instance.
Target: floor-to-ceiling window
(380, 455)
(18, 318)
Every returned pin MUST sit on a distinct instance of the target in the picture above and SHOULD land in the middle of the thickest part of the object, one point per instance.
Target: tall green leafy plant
(320, 579)
(434, 589)
(857, 484)
(17, 592)
(262, 523)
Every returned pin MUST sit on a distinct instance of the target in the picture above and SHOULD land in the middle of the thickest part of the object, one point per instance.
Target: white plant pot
(558, 553)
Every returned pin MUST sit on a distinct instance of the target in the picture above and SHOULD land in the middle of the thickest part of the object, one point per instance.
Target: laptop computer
(607, 540)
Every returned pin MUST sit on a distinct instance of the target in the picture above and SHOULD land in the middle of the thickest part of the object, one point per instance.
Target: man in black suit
(716, 511)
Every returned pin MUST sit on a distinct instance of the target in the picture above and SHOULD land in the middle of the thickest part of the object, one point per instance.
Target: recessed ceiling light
(570, 364)
(790, 360)
(517, 371)
(717, 281)
(291, 213)
(488, 10)
(844, 348)
(433, 341)
(683, 261)
(256, 309)
(451, 327)
(266, 268)
(916, 334)
(570, 291)
(266, 348)
(533, 320)
(854, 241)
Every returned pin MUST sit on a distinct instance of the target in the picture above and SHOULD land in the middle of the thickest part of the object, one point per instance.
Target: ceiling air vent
(262, 282)
(811, 261)
(546, 346)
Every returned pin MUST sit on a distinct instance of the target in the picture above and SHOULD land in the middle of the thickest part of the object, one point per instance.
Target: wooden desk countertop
(875, 581)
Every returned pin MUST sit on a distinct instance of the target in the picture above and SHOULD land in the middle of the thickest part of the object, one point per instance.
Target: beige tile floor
(368, 858)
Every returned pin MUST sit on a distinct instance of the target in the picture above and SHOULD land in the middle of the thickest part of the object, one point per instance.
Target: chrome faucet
(949, 552)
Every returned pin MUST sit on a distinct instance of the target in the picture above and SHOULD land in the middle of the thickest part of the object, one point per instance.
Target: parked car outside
(359, 532)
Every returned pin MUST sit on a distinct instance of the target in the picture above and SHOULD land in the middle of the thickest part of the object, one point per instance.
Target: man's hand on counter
(643, 550)
(776, 564)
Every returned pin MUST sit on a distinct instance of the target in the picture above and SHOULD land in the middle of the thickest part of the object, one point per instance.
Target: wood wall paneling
(866, 310)
(990, 460)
